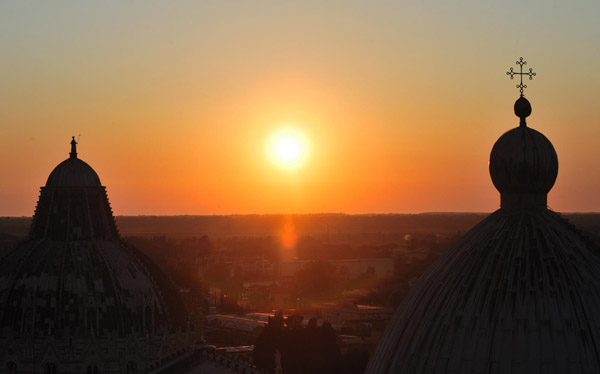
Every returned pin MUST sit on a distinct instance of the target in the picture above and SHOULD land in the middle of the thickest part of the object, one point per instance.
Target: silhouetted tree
(269, 340)
(353, 362)
(309, 349)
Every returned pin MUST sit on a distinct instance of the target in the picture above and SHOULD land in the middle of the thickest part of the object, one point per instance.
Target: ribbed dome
(523, 161)
(73, 172)
(523, 164)
(519, 293)
(74, 264)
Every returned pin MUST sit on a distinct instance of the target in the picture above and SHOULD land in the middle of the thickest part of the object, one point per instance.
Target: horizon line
(312, 214)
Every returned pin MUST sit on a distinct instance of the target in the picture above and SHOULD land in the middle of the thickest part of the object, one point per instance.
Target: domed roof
(523, 161)
(519, 293)
(73, 172)
(78, 288)
(76, 276)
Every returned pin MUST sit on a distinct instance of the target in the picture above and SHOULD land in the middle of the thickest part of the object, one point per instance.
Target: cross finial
(529, 73)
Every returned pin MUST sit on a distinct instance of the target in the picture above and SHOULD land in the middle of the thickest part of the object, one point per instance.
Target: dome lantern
(523, 164)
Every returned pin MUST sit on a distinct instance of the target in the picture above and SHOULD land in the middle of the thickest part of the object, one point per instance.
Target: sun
(288, 148)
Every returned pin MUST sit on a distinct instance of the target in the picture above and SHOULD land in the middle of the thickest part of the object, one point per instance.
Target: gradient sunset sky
(401, 101)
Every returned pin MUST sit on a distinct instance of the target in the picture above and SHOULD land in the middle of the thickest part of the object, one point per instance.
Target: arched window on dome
(132, 367)
(11, 367)
(50, 368)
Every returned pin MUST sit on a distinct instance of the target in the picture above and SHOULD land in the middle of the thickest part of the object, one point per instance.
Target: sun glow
(288, 148)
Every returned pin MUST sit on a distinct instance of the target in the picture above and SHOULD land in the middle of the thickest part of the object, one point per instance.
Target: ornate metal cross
(512, 73)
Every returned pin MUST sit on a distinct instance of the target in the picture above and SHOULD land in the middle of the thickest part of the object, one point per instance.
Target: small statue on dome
(73, 148)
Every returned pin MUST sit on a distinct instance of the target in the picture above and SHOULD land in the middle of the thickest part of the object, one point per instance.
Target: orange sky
(401, 102)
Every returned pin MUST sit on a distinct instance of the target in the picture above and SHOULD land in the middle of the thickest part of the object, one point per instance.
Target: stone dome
(523, 161)
(75, 282)
(523, 164)
(519, 293)
(83, 288)
(73, 172)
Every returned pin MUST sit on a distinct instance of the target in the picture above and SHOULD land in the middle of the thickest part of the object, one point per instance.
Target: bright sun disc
(288, 148)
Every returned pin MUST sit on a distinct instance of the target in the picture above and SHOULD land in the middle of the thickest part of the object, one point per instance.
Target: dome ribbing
(519, 293)
(73, 172)
(523, 167)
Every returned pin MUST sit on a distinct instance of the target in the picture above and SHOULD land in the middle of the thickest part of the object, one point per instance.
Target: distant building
(341, 313)
(234, 330)
(243, 353)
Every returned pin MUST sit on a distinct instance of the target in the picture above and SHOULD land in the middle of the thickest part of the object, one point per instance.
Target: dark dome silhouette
(523, 164)
(519, 293)
(74, 283)
(73, 172)
(80, 289)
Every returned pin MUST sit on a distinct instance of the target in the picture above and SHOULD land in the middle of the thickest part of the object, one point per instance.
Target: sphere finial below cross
(522, 109)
